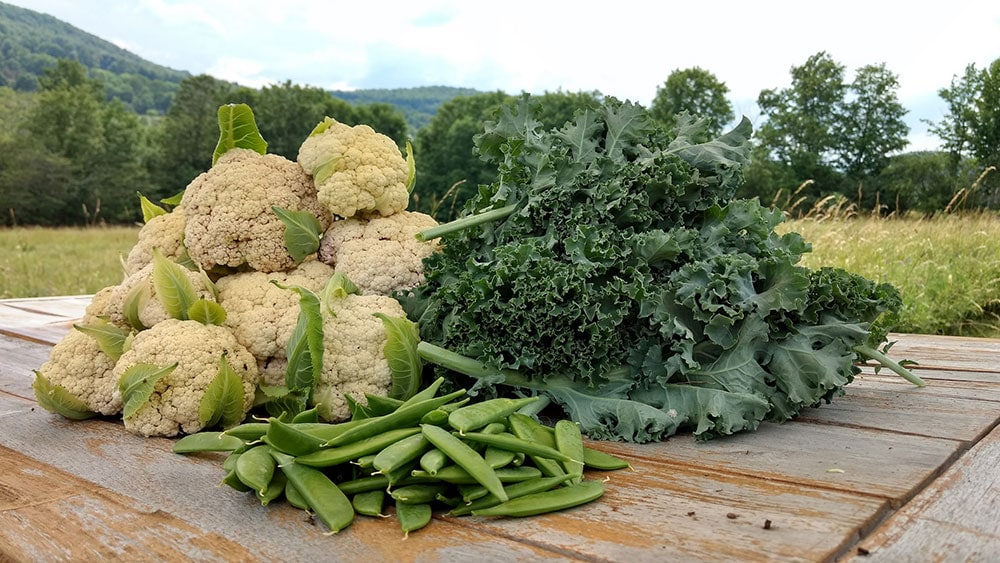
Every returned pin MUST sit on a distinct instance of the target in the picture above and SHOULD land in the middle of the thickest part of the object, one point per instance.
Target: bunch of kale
(610, 268)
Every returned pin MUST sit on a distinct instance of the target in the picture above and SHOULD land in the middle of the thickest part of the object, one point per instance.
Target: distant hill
(418, 104)
(31, 41)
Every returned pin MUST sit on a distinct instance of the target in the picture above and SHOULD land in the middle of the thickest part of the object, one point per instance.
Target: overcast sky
(623, 49)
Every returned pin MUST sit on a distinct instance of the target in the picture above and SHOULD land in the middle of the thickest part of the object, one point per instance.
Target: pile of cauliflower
(151, 353)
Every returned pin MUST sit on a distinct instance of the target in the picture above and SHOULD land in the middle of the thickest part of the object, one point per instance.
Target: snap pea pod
(465, 457)
(207, 442)
(307, 416)
(456, 475)
(233, 481)
(294, 497)
(255, 468)
(406, 415)
(417, 494)
(548, 501)
(274, 489)
(515, 490)
(369, 503)
(497, 457)
(513, 443)
(400, 453)
(569, 441)
(477, 415)
(525, 428)
(249, 431)
(432, 460)
(412, 517)
(596, 459)
(321, 494)
(287, 438)
(365, 461)
(329, 457)
(379, 405)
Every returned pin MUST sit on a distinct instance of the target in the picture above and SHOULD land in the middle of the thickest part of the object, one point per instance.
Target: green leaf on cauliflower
(403, 335)
(302, 232)
(137, 384)
(57, 399)
(238, 129)
(207, 312)
(135, 301)
(305, 345)
(149, 209)
(222, 403)
(173, 287)
(110, 338)
(411, 168)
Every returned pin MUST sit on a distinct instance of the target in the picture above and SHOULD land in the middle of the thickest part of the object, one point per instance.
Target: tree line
(72, 157)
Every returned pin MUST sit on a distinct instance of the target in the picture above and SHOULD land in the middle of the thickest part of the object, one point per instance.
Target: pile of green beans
(426, 454)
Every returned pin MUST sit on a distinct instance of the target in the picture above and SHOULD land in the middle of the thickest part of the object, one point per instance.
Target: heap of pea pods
(428, 452)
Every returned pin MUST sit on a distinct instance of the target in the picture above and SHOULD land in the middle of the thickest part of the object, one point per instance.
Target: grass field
(947, 268)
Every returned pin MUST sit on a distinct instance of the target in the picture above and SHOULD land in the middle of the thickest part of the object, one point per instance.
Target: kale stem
(467, 366)
(466, 222)
(886, 361)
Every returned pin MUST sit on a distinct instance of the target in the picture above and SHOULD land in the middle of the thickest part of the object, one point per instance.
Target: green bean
(369, 503)
(477, 415)
(547, 501)
(432, 460)
(274, 489)
(321, 494)
(525, 428)
(458, 476)
(516, 490)
(207, 442)
(287, 438)
(603, 461)
(401, 453)
(335, 456)
(513, 443)
(412, 517)
(405, 415)
(255, 467)
(569, 441)
(465, 457)
(294, 497)
(417, 494)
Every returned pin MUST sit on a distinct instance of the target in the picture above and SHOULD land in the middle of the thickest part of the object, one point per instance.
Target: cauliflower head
(77, 364)
(355, 169)
(165, 232)
(228, 209)
(100, 305)
(354, 361)
(262, 315)
(381, 255)
(196, 349)
(151, 310)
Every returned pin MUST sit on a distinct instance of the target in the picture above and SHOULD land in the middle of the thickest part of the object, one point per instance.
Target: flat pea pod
(274, 489)
(369, 503)
(494, 428)
(307, 416)
(412, 517)
(472, 492)
(365, 461)
(255, 467)
(322, 495)
(525, 428)
(380, 405)
(329, 457)
(286, 438)
(406, 415)
(327, 430)
(513, 443)
(515, 490)
(569, 441)
(602, 461)
(249, 431)
(432, 460)
(294, 497)
(400, 453)
(497, 457)
(417, 494)
(437, 417)
(547, 501)
(465, 457)
(477, 415)
(207, 442)
(364, 484)
(458, 476)
(233, 481)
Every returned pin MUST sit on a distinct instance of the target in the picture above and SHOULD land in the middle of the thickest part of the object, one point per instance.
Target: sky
(621, 49)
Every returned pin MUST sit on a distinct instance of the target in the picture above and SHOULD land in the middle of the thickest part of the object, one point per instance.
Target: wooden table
(889, 472)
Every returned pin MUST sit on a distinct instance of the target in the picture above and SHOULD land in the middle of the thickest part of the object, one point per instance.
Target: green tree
(694, 91)
(870, 125)
(956, 128)
(287, 112)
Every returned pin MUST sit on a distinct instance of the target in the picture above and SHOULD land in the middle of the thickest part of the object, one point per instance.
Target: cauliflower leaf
(57, 399)
(237, 129)
(222, 403)
(137, 384)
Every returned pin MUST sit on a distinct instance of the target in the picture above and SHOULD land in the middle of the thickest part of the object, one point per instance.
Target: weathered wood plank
(44, 320)
(948, 352)
(17, 360)
(855, 460)
(956, 518)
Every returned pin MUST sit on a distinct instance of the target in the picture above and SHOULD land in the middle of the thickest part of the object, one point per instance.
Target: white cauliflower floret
(229, 217)
(164, 232)
(77, 364)
(152, 312)
(354, 361)
(261, 314)
(196, 349)
(355, 169)
(100, 305)
(380, 255)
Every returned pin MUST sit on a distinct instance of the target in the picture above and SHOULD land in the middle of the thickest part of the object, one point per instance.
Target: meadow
(947, 267)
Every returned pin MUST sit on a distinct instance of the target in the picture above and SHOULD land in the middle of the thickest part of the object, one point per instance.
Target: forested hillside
(30, 42)
(417, 104)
